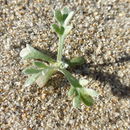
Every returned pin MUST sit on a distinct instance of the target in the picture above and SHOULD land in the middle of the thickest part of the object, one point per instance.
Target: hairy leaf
(64, 17)
(67, 30)
(87, 100)
(90, 92)
(76, 61)
(73, 81)
(32, 79)
(31, 70)
(31, 53)
(83, 82)
(39, 64)
(46, 75)
(70, 15)
(71, 91)
(57, 29)
(67, 14)
(86, 97)
(76, 102)
(65, 10)
(58, 16)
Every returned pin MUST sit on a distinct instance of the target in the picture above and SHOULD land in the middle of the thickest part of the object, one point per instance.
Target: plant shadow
(117, 88)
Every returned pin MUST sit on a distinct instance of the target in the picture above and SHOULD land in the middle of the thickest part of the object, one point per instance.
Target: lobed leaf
(31, 53)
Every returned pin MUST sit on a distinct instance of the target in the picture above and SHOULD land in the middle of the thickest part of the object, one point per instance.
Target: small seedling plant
(44, 66)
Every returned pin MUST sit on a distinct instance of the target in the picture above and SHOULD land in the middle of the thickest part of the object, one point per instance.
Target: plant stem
(60, 48)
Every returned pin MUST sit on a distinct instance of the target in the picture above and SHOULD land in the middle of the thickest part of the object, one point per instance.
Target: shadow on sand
(96, 72)
(117, 88)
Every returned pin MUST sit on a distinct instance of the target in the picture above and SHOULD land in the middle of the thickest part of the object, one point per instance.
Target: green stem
(60, 48)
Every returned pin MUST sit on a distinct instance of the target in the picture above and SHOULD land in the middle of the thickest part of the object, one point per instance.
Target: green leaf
(73, 81)
(72, 91)
(46, 75)
(85, 97)
(31, 79)
(87, 100)
(31, 53)
(57, 29)
(76, 61)
(83, 82)
(39, 64)
(31, 70)
(65, 10)
(76, 102)
(58, 16)
(67, 15)
(90, 92)
(70, 15)
(64, 17)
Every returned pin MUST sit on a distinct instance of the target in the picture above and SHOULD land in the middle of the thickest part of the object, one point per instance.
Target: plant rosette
(44, 66)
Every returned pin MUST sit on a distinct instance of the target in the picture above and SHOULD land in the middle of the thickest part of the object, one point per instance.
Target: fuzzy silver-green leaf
(71, 91)
(90, 92)
(69, 17)
(39, 64)
(83, 82)
(31, 70)
(32, 79)
(46, 75)
(57, 29)
(31, 53)
(76, 102)
(67, 30)
(58, 16)
(73, 81)
(85, 97)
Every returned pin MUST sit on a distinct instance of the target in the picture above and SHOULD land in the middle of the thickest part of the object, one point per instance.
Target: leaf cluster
(44, 66)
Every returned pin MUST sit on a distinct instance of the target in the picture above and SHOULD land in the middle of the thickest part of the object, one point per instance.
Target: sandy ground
(100, 33)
